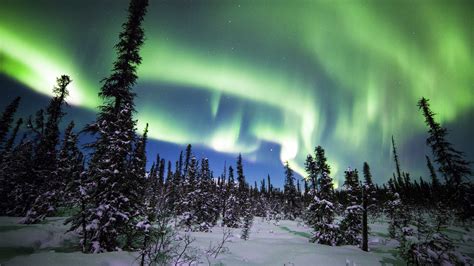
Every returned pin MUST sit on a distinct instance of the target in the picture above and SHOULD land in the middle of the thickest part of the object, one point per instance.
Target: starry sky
(269, 78)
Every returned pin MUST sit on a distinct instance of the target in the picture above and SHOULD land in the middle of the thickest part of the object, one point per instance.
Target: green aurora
(342, 74)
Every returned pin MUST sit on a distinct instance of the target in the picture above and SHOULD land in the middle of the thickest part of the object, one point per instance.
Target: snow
(270, 243)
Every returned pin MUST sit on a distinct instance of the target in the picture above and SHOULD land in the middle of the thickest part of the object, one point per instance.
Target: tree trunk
(365, 231)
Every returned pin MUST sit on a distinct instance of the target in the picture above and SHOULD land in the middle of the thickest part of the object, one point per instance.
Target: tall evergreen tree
(320, 213)
(8, 181)
(187, 159)
(451, 162)
(290, 204)
(231, 216)
(110, 211)
(70, 166)
(243, 191)
(6, 119)
(351, 224)
(369, 188)
(11, 140)
(21, 187)
(49, 191)
(395, 159)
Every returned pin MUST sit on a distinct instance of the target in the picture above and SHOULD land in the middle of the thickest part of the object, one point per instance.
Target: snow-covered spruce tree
(189, 201)
(290, 204)
(137, 191)
(452, 164)
(50, 187)
(207, 204)
(423, 244)
(70, 167)
(17, 171)
(231, 214)
(351, 224)
(7, 180)
(187, 159)
(176, 189)
(9, 144)
(321, 212)
(6, 119)
(397, 214)
(110, 187)
(248, 220)
(242, 192)
(370, 191)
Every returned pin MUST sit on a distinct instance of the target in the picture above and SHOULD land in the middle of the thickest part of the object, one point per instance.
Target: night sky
(269, 79)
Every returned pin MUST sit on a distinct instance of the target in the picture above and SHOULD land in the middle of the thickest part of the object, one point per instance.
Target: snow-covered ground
(285, 243)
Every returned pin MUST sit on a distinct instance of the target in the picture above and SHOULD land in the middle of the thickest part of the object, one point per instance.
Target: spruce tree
(311, 169)
(206, 209)
(11, 140)
(370, 190)
(351, 224)
(248, 220)
(70, 166)
(190, 200)
(231, 216)
(187, 158)
(320, 213)
(111, 188)
(135, 205)
(22, 187)
(48, 182)
(290, 204)
(451, 162)
(395, 159)
(6, 119)
(242, 192)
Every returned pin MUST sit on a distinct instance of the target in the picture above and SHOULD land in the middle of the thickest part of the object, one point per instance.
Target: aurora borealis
(269, 79)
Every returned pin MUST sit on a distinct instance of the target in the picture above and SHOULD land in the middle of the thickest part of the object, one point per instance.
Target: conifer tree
(351, 224)
(7, 178)
(395, 159)
(242, 192)
(111, 189)
(6, 119)
(11, 140)
(290, 204)
(187, 158)
(248, 220)
(190, 200)
(311, 169)
(22, 186)
(135, 205)
(206, 210)
(451, 162)
(320, 213)
(231, 216)
(369, 189)
(49, 191)
(70, 166)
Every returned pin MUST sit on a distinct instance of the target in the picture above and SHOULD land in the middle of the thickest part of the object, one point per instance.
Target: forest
(112, 202)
